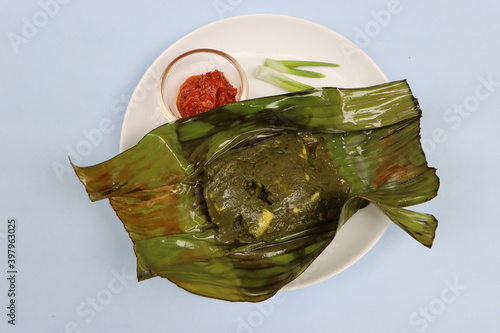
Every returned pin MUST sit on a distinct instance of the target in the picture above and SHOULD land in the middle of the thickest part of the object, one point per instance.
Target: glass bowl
(197, 62)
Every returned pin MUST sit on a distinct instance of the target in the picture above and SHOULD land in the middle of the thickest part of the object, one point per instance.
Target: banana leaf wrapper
(372, 134)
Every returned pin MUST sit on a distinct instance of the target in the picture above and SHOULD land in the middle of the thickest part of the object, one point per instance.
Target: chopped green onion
(298, 63)
(275, 77)
(272, 69)
(280, 67)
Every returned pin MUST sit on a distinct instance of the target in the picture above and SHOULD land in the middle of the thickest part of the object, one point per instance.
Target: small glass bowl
(197, 62)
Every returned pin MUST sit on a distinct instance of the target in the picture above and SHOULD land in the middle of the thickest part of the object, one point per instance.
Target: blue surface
(68, 69)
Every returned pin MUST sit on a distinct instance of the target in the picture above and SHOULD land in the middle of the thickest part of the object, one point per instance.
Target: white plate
(251, 39)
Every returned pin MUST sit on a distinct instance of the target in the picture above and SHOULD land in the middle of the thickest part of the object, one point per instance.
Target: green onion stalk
(273, 71)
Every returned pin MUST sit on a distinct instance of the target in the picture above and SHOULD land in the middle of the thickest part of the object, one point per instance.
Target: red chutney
(200, 93)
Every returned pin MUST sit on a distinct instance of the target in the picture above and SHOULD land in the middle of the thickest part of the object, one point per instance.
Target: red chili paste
(200, 93)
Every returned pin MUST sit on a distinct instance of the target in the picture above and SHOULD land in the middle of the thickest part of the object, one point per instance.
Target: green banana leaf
(371, 134)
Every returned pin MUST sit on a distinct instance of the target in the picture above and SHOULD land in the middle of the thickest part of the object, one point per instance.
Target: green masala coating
(279, 186)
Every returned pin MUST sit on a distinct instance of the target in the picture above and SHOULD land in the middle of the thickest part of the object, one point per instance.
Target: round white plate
(251, 39)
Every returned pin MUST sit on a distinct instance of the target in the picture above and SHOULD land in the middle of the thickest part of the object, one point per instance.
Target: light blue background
(79, 68)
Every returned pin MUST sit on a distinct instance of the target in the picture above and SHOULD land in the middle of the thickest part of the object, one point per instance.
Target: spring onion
(272, 71)
(290, 67)
(275, 77)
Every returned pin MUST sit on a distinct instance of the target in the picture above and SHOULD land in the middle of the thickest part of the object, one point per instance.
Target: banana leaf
(156, 187)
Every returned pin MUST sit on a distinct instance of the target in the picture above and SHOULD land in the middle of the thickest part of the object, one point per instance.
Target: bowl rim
(241, 72)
